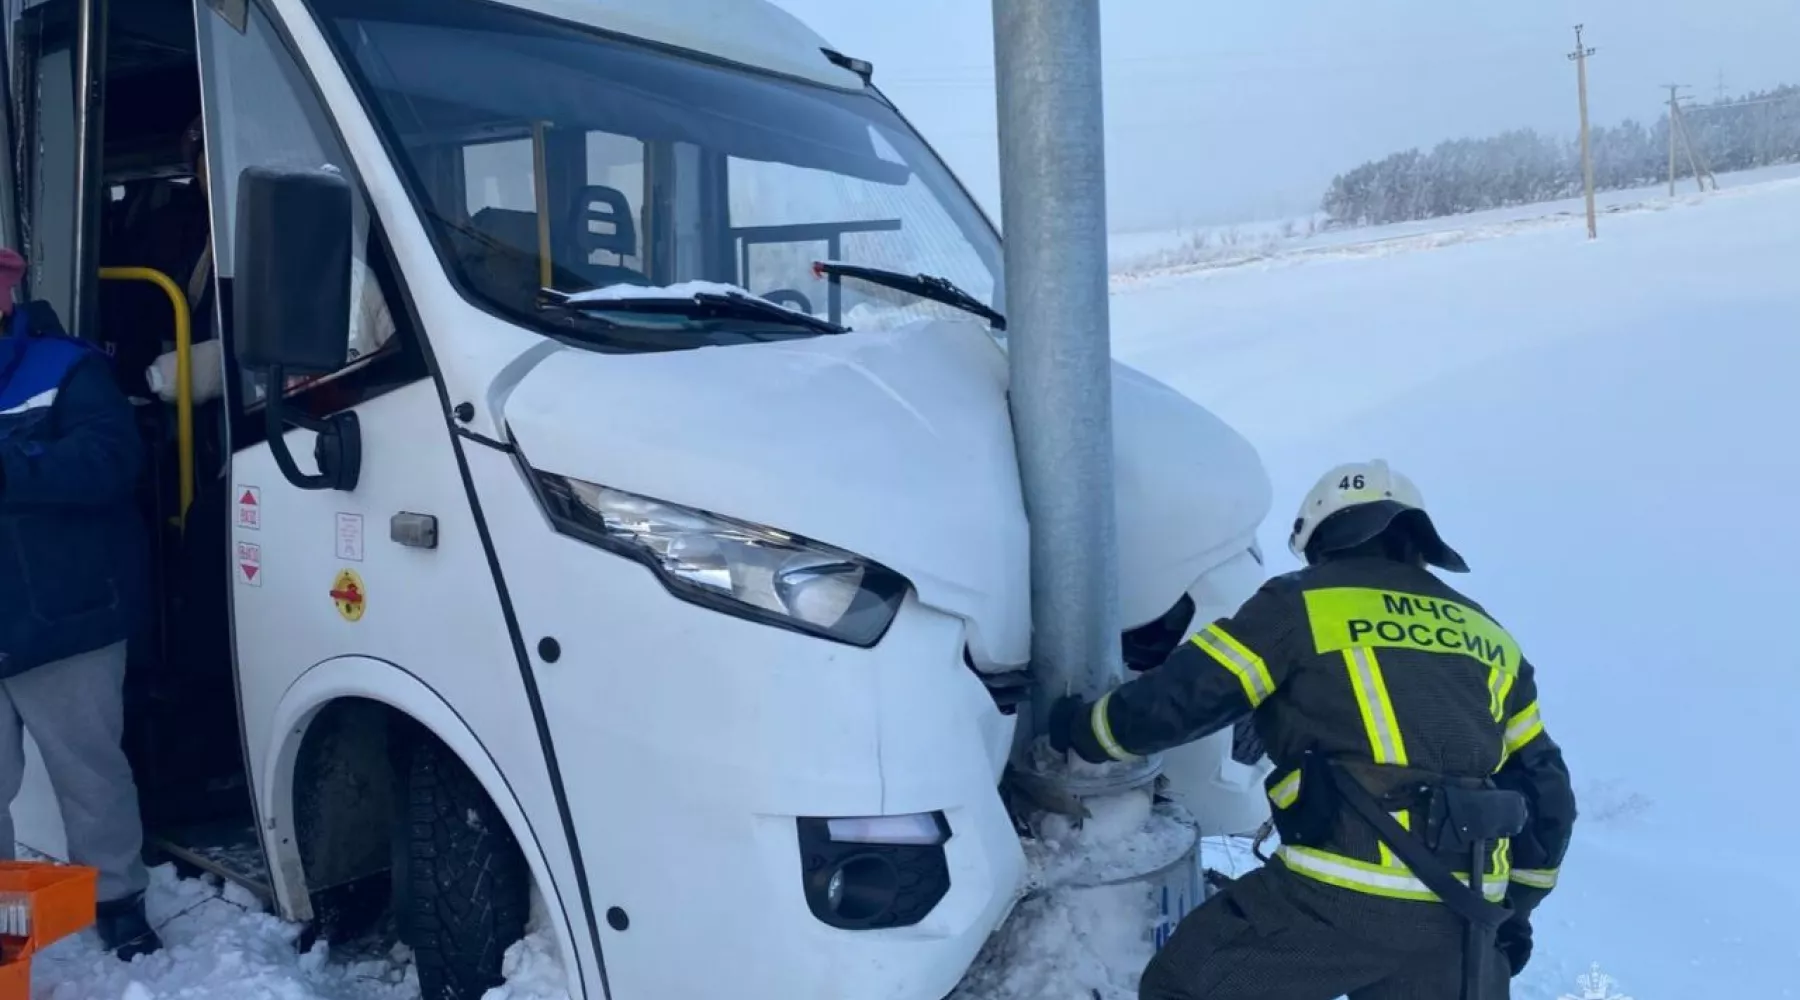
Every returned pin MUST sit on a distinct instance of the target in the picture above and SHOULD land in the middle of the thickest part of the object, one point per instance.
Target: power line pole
(1580, 56)
(1674, 112)
(1701, 170)
(1721, 86)
(1764, 126)
(1053, 208)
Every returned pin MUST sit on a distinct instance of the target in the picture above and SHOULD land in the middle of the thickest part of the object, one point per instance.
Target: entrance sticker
(249, 508)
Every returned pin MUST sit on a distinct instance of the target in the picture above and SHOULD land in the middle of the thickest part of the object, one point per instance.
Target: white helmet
(1374, 496)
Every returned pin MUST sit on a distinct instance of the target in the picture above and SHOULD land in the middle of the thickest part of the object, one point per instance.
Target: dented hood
(896, 445)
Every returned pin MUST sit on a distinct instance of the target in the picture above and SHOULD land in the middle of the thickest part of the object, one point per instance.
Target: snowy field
(1604, 430)
(1137, 255)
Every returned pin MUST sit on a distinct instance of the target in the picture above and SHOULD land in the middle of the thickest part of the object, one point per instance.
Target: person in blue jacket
(74, 585)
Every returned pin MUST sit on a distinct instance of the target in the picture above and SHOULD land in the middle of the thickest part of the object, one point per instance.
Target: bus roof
(753, 33)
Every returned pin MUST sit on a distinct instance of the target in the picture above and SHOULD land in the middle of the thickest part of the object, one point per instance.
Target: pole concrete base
(1128, 841)
(1100, 825)
(1101, 898)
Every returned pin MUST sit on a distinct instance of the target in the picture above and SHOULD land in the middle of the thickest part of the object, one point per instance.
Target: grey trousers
(1275, 935)
(75, 710)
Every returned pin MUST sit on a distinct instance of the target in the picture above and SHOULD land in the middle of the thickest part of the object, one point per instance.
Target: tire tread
(467, 890)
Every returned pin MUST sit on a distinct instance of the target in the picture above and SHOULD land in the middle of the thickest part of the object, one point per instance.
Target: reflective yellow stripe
(1500, 685)
(1523, 728)
(1385, 741)
(1249, 668)
(1404, 818)
(1392, 881)
(1103, 730)
(1286, 791)
(1537, 878)
(1345, 617)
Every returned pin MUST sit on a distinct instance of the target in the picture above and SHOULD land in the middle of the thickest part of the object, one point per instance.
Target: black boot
(124, 929)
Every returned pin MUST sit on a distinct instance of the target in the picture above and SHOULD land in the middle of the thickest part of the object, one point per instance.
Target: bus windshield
(549, 156)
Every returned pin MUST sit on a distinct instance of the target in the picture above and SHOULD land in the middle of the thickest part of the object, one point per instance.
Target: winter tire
(462, 890)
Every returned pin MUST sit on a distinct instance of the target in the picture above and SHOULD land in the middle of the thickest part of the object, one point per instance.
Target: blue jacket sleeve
(92, 458)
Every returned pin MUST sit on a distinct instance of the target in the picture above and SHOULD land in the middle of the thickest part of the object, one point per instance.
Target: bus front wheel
(462, 889)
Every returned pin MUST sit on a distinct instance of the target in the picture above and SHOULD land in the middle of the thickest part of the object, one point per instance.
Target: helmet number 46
(1355, 482)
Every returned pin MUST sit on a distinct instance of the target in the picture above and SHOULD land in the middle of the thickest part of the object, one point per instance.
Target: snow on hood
(676, 292)
(685, 291)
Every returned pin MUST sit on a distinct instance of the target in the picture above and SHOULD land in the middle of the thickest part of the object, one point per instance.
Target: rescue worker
(74, 582)
(1370, 681)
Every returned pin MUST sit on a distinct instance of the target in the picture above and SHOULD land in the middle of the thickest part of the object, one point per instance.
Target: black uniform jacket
(1385, 666)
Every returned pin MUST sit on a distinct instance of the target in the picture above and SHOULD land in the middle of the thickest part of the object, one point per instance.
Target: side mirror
(292, 284)
(291, 294)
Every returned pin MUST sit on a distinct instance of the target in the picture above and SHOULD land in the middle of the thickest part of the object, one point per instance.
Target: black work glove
(1062, 713)
(1514, 941)
(1071, 728)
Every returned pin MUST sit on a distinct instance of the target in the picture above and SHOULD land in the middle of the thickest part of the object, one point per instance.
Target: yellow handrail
(184, 373)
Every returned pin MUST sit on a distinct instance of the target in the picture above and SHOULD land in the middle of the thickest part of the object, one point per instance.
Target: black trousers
(1275, 935)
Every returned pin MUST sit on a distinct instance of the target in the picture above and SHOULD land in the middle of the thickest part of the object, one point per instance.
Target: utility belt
(1449, 820)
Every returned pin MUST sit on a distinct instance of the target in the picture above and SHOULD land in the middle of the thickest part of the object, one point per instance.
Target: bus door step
(228, 850)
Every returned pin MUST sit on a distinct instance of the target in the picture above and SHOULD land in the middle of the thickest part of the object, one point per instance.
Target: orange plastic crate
(62, 903)
(15, 980)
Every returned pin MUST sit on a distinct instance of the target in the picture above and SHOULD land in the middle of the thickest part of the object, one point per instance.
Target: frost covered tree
(1523, 166)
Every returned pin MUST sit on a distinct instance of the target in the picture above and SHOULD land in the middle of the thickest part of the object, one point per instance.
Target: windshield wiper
(925, 286)
(702, 304)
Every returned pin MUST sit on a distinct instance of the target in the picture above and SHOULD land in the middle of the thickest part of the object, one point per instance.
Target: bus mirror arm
(337, 450)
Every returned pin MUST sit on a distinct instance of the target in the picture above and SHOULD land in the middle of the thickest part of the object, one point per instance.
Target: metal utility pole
(1580, 55)
(1053, 212)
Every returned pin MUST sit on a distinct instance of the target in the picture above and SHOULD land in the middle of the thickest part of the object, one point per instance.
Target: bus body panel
(702, 737)
(760, 35)
(436, 613)
(894, 445)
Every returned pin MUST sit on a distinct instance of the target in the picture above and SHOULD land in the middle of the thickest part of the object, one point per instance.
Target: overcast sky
(1221, 112)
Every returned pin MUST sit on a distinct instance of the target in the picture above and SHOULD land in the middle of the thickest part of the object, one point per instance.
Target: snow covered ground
(1137, 255)
(1605, 431)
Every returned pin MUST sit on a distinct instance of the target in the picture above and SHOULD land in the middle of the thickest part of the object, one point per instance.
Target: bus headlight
(744, 569)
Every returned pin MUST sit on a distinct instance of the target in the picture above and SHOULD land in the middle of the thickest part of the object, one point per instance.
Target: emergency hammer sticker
(348, 594)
